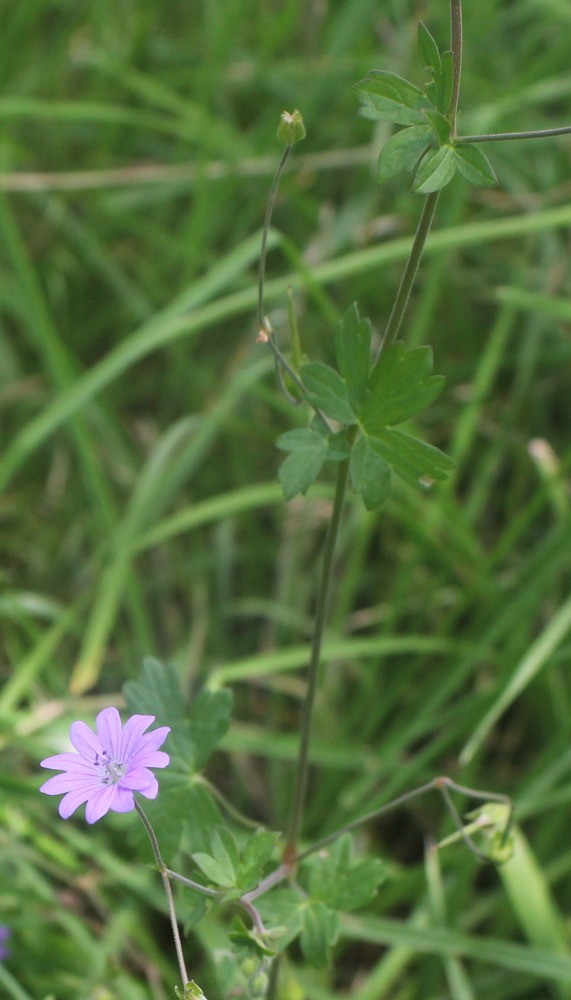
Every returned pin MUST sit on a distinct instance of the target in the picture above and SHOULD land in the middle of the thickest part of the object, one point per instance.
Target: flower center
(111, 771)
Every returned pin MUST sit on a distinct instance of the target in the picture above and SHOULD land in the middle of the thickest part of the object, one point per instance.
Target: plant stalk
(409, 273)
(168, 892)
(456, 46)
(294, 824)
(543, 133)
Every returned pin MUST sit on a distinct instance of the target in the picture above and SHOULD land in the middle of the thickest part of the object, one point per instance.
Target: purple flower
(5, 935)
(108, 767)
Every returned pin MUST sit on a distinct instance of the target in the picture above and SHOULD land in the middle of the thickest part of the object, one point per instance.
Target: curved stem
(409, 273)
(168, 892)
(543, 133)
(313, 670)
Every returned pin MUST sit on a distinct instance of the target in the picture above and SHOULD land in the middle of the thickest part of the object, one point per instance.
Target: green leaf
(257, 852)
(319, 934)
(308, 449)
(440, 126)
(209, 720)
(413, 460)
(157, 692)
(338, 447)
(474, 165)
(400, 386)
(402, 151)
(214, 871)
(387, 97)
(327, 390)
(370, 474)
(436, 170)
(353, 352)
(428, 53)
(342, 884)
(201, 815)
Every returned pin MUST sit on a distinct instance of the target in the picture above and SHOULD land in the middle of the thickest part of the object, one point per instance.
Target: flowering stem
(168, 891)
(313, 670)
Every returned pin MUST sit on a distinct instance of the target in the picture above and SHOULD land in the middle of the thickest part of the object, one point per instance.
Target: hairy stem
(543, 133)
(456, 46)
(168, 892)
(313, 670)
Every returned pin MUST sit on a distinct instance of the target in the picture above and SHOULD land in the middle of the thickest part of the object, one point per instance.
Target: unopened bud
(291, 128)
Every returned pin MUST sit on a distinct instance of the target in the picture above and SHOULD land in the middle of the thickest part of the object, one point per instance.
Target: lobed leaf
(400, 386)
(440, 126)
(308, 450)
(388, 97)
(319, 934)
(328, 391)
(402, 151)
(413, 460)
(353, 352)
(370, 473)
(209, 721)
(341, 883)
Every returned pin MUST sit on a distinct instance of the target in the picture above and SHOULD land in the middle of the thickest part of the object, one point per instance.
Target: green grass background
(140, 512)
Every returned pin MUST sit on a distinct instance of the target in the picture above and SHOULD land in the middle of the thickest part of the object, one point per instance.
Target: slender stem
(313, 670)
(456, 46)
(409, 273)
(319, 844)
(267, 883)
(267, 220)
(441, 784)
(168, 892)
(501, 136)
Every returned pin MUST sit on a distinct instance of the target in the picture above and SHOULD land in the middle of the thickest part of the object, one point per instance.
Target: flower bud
(291, 128)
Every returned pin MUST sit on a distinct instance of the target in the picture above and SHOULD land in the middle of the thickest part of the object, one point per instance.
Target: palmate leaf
(342, 883)
(400, 386)
(428, 53)
(388, 97)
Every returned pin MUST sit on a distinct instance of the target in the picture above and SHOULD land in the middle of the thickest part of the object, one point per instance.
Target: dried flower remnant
(108, 766)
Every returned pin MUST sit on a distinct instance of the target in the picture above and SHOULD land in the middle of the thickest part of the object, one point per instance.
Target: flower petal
(133, 734)
(123, 801)
(150, 791)
(150, 742)
(137, 778)
(72, 762)
(158, 758)
(109, 732)
(99, 803)
(60, 783)
(71, 801)
(85, 741)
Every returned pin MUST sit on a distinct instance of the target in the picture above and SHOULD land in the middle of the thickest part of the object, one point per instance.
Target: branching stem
(542, 133)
